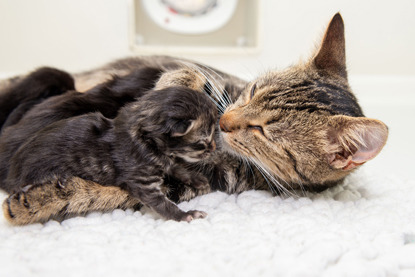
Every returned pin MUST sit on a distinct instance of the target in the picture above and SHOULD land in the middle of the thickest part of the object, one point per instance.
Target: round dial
(190, 17)
(190, 7)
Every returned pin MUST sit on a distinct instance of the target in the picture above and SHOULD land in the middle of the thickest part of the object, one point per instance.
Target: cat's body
(165, 133)
(297, 128)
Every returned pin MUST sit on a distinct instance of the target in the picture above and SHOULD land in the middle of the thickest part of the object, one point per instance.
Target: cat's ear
(182, 128)
(331, 56)
(352, 141)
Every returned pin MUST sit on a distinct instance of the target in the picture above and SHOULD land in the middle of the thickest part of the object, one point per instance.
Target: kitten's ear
(331, 56)
(354, 140)
(182, 127)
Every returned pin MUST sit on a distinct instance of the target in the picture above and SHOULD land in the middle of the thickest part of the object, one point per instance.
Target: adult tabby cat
(300, 128)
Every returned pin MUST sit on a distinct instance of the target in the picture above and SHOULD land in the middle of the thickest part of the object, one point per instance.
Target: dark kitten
(42, 83)
(106, 98)
(163, 133)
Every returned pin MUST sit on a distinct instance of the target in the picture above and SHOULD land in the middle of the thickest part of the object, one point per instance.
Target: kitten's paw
(200, 182)
(190, 215)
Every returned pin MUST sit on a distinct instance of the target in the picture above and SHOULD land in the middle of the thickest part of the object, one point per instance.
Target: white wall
(80, 34)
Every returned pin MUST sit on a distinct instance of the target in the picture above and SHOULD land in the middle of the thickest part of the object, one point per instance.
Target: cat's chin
(226, 147)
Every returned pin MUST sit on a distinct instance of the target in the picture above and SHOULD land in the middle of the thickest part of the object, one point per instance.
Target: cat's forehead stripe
(312, 95)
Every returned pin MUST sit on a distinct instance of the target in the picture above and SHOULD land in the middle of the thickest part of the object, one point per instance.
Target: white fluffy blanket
(365, 227)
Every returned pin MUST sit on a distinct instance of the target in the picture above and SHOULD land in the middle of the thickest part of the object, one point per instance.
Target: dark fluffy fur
(147, 140)
(42, 83)
(107, 99)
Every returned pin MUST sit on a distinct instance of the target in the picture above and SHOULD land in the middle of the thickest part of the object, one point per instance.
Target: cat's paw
(190, 215)
(184, 77)
(17, 210)
(34, 204)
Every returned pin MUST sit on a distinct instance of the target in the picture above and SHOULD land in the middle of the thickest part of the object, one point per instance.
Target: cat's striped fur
(300, 128)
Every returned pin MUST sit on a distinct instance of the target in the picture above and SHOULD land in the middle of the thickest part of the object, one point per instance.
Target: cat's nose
(225, 123)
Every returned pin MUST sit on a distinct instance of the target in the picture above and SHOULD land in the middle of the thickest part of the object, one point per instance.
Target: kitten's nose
(212, 146)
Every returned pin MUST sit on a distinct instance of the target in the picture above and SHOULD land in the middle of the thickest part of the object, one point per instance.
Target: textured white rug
(364, 228)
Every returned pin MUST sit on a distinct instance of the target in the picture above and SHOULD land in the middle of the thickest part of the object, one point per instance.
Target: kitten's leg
(151, 195)
(53, 200)
(190, 178)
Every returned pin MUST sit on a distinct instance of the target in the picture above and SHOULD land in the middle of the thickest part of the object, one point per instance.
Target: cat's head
(303, 124)
(180, 121)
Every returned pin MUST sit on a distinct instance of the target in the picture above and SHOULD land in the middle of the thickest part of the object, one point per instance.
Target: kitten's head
(303, 124)
(180, 121)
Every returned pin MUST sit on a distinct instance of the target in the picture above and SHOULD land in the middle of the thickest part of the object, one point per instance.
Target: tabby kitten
(159, 135)
(299, 128)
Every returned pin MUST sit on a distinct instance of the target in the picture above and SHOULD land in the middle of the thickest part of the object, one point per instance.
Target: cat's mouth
(231, 146)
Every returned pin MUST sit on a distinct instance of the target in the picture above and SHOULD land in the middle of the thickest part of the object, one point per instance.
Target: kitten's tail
(19, 94)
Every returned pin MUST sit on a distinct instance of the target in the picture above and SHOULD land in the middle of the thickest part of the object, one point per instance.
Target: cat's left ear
(352, 141)
(182, 128)
(331, 56)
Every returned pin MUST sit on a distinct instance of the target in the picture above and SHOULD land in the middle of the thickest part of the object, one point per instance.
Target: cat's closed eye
(272, 121)
(257, 128)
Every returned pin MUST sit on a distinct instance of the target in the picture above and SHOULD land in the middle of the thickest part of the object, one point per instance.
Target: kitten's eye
(181, 128)
(258, 128)
(253, 91)
(199, 146)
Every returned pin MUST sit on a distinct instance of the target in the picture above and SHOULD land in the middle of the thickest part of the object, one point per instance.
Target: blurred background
(243, 37)
(78, 34)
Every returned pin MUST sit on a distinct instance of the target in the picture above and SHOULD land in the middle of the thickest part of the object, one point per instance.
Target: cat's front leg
(35, 204)
(150, 195)
(183, 77)
(60, 200)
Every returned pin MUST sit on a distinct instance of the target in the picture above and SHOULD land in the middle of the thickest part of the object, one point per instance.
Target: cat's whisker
(213, 88)
(303, 192)
(221, 104)
(282, 188)
(213, 84)
(249, 169)
(224, 93)
(218, 104)
(274, 173)
(218, 101)
(274, 188)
